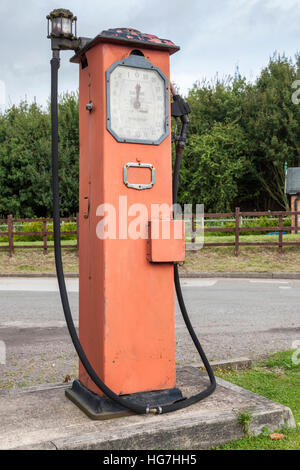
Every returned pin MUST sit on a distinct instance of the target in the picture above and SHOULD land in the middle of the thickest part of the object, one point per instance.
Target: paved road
(232, 317)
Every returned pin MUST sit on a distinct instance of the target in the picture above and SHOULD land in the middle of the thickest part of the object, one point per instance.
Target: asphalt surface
(232, 317)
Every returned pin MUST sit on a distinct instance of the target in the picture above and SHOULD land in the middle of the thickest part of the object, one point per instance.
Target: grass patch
(38, 243)
(34, 261)
(208, 259)
(244, 419)
(210, 238)
(250, 259)
(278, 379)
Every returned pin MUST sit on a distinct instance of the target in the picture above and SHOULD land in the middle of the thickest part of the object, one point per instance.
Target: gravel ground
(46, 355)
(232, 318)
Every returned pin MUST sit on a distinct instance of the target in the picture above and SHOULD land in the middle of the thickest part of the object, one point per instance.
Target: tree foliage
(268, 124)
(241, 135)
(214, 162)
(273, 129)
(25, 159)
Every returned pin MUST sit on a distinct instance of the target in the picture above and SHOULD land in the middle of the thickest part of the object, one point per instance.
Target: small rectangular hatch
(166, 241)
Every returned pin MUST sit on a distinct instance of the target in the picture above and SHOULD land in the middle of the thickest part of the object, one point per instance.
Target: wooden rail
(11, 233)
(238, 229)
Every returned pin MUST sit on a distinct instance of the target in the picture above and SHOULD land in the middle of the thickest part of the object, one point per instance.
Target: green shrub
(30, 227)
(38, 227)
(256, 222)
(64, 227)
(69, 227)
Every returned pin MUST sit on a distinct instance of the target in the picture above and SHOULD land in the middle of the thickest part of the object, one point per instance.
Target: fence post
(45, 237)
(237, 230)
(10, 229)
(77, 228)
(193, 227)
(280, 234)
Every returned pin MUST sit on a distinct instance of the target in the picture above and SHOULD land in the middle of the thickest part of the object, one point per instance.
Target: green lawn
(208, 259)
(209, 237)
(278, 379)
(26, 261)
(40, 243)
(251, 258)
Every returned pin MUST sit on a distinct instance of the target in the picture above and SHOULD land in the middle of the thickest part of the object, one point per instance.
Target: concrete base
(102, 408)
(43, 418)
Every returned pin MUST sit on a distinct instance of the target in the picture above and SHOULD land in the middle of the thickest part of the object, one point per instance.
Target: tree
(240, 136)
(272, 124)
(212, 165)
(69, 153)
(216, 101)
(25, 159)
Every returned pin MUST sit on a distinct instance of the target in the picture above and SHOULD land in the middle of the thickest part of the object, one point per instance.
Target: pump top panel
(130, 37)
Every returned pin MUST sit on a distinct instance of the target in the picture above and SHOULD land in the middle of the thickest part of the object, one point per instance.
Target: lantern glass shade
(61, 24)
(56, 27)
(66, 25)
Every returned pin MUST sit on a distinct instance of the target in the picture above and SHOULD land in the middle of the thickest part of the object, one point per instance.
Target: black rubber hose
(210, 389)
(137, 408)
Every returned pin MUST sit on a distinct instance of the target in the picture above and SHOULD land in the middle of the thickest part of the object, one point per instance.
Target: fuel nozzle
(179, 110)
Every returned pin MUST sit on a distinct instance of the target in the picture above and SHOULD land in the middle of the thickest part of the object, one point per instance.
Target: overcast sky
(214, 36)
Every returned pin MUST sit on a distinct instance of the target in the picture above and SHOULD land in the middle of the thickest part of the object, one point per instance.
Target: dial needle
(136, 102)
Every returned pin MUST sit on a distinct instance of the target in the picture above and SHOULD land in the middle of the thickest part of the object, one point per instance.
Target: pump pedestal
(97, 407)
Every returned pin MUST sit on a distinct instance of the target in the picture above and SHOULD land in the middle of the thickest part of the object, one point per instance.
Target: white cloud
(214, 36)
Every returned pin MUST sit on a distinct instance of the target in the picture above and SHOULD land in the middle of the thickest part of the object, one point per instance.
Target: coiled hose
(136, 407)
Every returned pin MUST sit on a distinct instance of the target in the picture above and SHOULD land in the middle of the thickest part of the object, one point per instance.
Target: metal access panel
(166, 241)
(292, 181)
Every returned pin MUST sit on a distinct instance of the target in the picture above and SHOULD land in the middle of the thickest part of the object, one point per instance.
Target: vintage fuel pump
(126, 343)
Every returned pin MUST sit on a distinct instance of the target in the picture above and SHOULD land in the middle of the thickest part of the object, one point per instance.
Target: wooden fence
(45, 233)
(236, 230)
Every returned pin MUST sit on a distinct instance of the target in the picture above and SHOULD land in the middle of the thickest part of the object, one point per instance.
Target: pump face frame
(139, 62)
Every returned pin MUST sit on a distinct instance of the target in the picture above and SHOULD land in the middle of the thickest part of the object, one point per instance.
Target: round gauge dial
(137, 104)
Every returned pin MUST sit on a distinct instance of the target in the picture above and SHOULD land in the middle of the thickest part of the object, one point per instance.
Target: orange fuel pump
(129, 240)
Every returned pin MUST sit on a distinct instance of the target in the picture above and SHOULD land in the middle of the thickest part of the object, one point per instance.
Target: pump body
(126, 290)
(126, 323)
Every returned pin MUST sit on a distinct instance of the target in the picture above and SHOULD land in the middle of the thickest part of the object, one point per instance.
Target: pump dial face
(138, 111)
